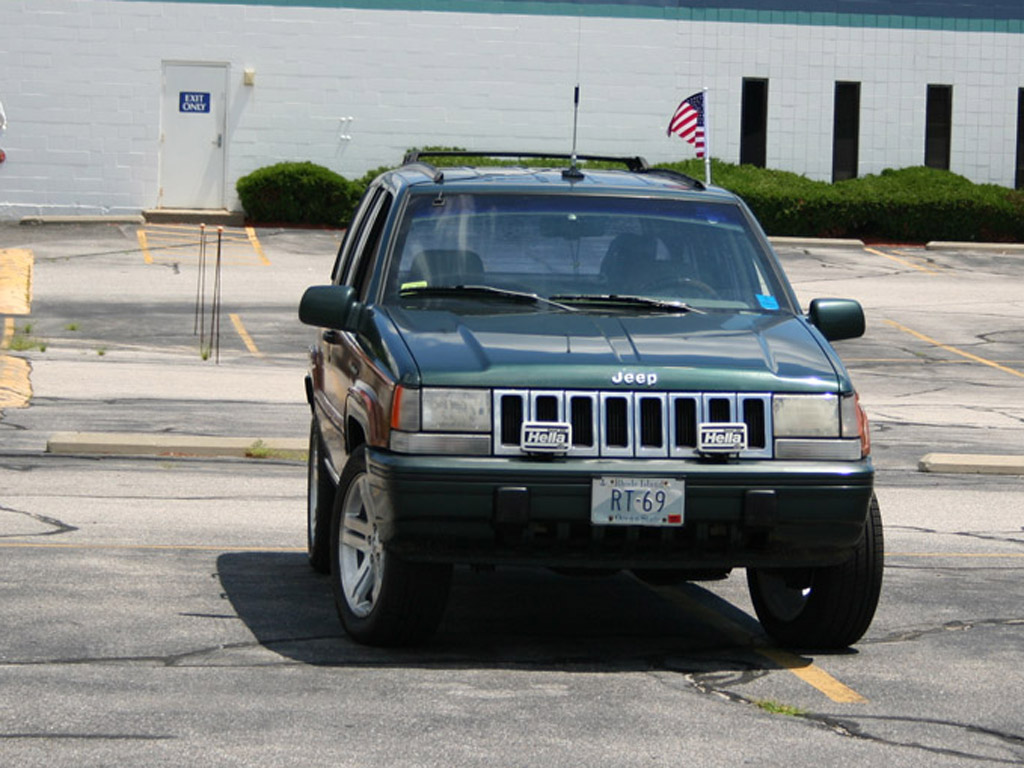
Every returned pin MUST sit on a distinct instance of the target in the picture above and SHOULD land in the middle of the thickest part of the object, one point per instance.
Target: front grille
(628, 424)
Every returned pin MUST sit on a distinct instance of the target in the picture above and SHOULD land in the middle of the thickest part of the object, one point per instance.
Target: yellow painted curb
(15, 281)
(15, 387)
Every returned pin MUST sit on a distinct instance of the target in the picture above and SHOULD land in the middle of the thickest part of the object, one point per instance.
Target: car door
(345, 360)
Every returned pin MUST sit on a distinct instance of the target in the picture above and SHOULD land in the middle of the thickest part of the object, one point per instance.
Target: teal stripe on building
(1005, 16)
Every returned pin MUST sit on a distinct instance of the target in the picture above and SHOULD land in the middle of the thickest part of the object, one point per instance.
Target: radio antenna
(572, 172)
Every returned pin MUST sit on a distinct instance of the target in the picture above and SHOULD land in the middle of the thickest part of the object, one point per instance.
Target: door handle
(220, 140)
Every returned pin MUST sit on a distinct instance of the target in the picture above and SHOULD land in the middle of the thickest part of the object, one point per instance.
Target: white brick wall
(80, 82)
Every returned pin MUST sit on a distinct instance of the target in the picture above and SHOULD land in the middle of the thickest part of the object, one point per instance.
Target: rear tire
(381, 599)
(828, 607)
(320, 493)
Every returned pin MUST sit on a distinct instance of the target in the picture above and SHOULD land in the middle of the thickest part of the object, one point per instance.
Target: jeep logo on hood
(640, 379)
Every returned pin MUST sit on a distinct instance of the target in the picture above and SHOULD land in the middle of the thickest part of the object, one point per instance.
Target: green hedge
(908, 205)
(298, 193)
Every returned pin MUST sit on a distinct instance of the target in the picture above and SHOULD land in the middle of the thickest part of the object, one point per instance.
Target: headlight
(441, 410)
(806, 415)
(456, 410)
(441, 421)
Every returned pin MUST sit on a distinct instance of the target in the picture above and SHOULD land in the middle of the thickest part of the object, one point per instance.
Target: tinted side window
(354, 233)
(359, 268)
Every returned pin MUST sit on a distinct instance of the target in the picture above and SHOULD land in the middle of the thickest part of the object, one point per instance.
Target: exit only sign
(193, 101)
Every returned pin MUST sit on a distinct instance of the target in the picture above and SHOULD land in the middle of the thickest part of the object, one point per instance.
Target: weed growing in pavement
(778, 708)
(23, 341)
(260, 450)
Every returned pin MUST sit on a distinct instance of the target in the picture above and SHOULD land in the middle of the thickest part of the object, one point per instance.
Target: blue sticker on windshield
(767, 302)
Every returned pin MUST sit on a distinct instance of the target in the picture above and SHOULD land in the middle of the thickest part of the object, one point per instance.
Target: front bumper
(495, 510)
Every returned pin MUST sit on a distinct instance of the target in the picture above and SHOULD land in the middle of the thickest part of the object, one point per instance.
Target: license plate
(653, 501)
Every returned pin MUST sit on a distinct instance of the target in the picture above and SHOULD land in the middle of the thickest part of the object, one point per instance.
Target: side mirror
(333, 306)
(837, 319)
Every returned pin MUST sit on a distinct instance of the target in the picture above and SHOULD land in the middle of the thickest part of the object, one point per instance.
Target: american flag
(688, 122)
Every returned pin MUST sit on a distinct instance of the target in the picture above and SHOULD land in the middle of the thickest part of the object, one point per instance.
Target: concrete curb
(972, 464)
(86, 219)
(133, 444)
(214, 217)
(816, 242)
(940, 245)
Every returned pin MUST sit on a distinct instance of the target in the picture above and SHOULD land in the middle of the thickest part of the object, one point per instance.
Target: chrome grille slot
(510, 408)
(753, 417)
(755, 410)
(650, 416)
(616, 424)
(684, 410)
(583, 417)
(625, 424)
(719, 408)
(547, 407)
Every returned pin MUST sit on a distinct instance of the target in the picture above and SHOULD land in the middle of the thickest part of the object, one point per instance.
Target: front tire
(320, 494)
(381, 599)
(320, 504)
(828, 607)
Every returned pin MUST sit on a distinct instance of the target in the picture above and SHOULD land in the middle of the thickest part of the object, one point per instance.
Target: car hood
(713, 351)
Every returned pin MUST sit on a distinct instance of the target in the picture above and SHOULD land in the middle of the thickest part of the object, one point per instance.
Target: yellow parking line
(932, 265)
(177, 243)
(246, 338)
(955, 350)
(256, 245)
(812, 675)
(904, 262)
(805, 670)
(144, 245)
(5, 340)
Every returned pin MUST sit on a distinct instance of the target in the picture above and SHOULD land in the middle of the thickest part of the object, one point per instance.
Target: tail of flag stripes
(688, 122)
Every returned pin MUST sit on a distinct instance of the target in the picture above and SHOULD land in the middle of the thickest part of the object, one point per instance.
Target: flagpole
(707, 142)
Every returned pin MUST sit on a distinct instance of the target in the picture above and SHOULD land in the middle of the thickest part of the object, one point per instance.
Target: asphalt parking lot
(157, 608)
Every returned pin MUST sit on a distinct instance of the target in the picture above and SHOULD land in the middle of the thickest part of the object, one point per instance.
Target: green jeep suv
(581, 369)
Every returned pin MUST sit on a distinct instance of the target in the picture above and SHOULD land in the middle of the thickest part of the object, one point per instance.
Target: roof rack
(634, 164)
(430, 170)
(677, 176)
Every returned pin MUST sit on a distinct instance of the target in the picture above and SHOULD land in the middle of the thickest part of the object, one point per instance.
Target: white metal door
(192, 135)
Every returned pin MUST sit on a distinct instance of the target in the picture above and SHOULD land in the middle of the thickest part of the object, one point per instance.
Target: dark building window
(754, 122)
(845, 131)
(938, 126)
(1020, 139)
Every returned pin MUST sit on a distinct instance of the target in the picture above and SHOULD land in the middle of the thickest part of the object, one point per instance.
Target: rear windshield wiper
(520, 297)
(613, 299)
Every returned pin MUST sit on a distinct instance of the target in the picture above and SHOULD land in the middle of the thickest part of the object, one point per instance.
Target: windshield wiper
(483, 290)
(613, 299)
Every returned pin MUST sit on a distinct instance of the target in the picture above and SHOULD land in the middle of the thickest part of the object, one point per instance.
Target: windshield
(584, 251)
